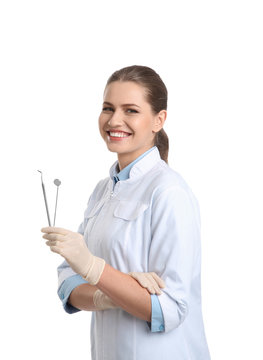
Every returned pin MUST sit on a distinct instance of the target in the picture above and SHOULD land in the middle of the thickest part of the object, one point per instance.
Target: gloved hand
(71, 245)
(103, 301)
(151, 281)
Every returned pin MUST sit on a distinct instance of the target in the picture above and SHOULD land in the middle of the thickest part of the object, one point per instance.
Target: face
(127, 123)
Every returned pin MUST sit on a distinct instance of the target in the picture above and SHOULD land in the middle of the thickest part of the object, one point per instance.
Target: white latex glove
(71, 245)
(151, 281)
(103, 301)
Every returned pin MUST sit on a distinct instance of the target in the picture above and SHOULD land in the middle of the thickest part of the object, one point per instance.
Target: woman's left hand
(71, 245)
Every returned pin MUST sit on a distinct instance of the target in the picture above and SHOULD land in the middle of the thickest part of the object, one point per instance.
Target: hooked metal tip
(41, 175)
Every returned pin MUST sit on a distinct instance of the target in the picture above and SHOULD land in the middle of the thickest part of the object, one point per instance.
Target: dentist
(140, 233)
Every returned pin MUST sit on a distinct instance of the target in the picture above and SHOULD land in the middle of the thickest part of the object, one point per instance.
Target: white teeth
(118, 134)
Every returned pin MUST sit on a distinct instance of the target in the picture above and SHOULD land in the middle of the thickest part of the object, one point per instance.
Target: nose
(115, 119)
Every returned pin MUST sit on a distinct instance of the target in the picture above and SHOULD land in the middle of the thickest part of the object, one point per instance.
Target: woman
(142, 222)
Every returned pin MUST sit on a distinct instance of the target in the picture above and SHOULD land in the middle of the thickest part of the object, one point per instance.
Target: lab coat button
(161, 327)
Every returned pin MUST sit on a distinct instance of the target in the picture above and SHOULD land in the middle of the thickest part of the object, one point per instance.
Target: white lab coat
(150, 222)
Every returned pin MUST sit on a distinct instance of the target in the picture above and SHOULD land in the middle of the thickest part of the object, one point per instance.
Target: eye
(110, 109)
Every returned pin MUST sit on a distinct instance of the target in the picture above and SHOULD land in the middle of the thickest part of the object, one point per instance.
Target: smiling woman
(128, 131)
(140, 233)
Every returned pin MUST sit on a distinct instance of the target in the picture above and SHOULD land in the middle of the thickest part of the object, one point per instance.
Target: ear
(159, 120)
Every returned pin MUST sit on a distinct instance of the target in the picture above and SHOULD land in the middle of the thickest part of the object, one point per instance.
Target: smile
(119, 135)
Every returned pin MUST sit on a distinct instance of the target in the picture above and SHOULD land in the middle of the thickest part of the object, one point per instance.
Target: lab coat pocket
(129, 235)
(129, 210)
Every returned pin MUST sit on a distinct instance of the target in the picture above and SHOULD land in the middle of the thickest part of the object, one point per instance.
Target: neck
(126, 158)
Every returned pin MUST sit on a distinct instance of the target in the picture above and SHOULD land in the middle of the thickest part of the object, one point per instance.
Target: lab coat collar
(124, 174)
(140, 167)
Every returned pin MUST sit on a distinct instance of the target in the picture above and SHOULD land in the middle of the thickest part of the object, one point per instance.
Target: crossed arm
(123, 290)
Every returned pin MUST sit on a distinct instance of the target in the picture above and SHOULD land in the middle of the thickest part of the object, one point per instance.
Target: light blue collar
(125, 172)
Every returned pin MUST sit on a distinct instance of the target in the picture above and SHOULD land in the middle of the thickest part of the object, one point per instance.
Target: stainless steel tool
(57, 182)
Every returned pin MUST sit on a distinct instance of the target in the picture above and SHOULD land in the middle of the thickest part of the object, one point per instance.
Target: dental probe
(45, 198)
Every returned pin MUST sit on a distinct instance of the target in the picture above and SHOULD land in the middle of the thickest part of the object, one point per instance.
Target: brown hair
(156, 96)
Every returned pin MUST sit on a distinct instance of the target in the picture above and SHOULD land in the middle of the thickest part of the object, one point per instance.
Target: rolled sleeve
(68, 280)
(175, 251)
(65, 290)
(157, 322)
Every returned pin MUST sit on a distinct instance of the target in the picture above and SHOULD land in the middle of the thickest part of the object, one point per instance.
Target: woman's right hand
(150, 281)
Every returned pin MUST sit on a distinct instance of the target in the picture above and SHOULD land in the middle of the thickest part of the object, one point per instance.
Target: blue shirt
(157, 321)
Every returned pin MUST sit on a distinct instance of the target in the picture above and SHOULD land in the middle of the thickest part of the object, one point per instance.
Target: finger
(146, 281)
(157, 290)
(53, 237)
(54, 229)
(55, 249)
(51, 243)
(151, 279)
(141, 279)
(146, 284)
(153, 284)
(134, 275)
(150, 291)
(159, 281)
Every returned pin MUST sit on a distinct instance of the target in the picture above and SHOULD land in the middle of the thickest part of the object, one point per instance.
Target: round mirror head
(57, 182)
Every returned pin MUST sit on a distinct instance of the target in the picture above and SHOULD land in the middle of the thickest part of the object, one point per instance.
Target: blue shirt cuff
(65, 290)
(157, 321)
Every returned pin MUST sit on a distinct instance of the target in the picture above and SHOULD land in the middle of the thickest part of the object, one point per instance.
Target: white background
(56, 57)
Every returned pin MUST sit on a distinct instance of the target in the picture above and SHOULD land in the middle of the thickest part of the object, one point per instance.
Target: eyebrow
(108, 103)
